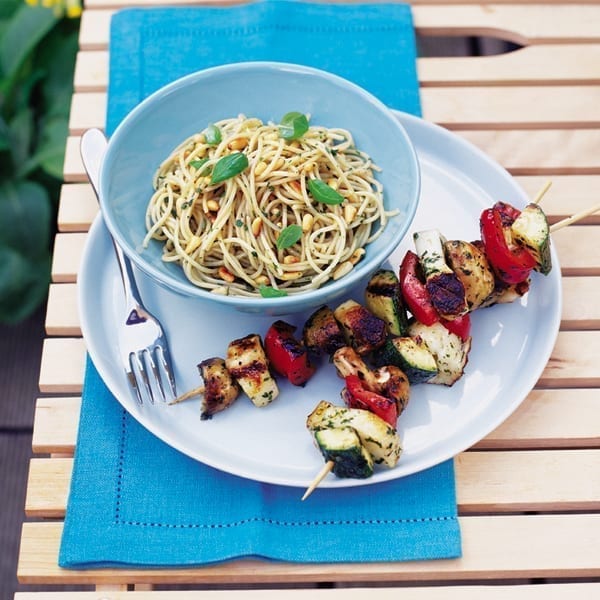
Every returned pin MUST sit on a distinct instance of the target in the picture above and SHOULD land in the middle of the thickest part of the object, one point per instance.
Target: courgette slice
(383, 299)
(531, 229)
(342, 446)
(411, 355)
(380, 440)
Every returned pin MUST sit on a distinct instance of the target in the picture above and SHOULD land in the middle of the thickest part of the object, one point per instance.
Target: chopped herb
(266, 291)
(213, 135)
(229, 166)
(323, 193)
(239, 223)
(293, 126)
(197, 164)
(289, 236)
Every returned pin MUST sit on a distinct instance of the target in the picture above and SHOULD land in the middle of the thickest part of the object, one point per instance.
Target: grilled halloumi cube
(378, 437)
(220, 389)
(247, 362)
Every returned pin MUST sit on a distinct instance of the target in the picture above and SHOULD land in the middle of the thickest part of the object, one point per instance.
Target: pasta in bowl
(272, 210)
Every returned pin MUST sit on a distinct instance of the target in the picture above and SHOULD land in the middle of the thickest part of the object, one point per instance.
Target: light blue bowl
(266, 90)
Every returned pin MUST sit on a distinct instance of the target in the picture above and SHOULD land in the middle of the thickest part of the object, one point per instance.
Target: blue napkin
(135, 501)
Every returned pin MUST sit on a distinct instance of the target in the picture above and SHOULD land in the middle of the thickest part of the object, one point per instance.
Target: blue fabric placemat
(135, 501)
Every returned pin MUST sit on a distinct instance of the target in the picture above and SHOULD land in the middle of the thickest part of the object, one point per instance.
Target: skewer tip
(327, 467)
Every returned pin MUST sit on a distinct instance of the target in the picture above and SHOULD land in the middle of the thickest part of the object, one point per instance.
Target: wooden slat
(62, 367)
(62, 312)
(547, 152)
(532, 65)
(568, 195)
(555, 546)
(486, 482)
(77, 208)
(546, 419)
(68, 249)
(523, 107)
(55, 425)
(531, 24)
(577, 591)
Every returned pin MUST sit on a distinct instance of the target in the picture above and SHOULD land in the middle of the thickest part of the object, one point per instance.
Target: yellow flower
(69, 8)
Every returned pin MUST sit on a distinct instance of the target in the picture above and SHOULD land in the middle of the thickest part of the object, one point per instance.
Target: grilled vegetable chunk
(347, 362)
(342, 446)
(450, 352)
(379, 439)
(411, 355)
(530, 229)
(363, 330)
(471, 266)
(322, 332)
(445, 289)
(383, 299)
(247, 362)
(393, 383)
(220, 389)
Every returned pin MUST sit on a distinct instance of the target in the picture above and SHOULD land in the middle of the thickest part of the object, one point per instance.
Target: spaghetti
(293, 213)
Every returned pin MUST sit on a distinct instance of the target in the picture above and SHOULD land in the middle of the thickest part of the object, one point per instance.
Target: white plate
(511, 345)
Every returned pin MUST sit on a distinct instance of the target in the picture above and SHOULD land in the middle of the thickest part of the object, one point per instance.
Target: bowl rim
(331, 287)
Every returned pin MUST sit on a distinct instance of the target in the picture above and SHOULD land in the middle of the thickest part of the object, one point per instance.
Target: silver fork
(142, 342)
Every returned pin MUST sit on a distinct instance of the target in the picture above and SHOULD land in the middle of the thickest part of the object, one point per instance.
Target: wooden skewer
(542, 192)
(191, 394)
(574, 218)
(317, 480)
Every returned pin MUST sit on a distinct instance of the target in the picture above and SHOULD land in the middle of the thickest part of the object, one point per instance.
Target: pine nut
(225, 275)
(192, 244)
(296, 185)
(343, 269)
(279, 163)
(333, 184)
(307, 222)
(357, 255)
(262, 280)
(290, 259)
(290, 276)
(260, 167)
(220, 291)
(212, 205)
(308, 167)
(238, 144)
(349, 213)
(256, 226)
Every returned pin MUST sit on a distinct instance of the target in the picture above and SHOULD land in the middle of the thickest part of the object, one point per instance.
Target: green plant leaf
(27, 27)
(4, 135)
(23, 284)
(289, 236)
(50, 153)
(229, 166)
(323, 193)
(25, 218)
(293, 126)
(21, 136)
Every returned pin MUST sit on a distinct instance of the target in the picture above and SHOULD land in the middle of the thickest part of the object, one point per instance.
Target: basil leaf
(197, 164)
(266, 291)
(293, 125)
(229, 166)
(212, 135)
(289, 236)
(323, 193)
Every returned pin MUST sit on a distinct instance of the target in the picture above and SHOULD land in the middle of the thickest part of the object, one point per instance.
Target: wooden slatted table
(528, 494)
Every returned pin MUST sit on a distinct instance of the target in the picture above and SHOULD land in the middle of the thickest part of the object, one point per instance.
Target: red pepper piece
(461, 326)
(286, 354)
(508, 213)
(357, 396)
(512, 265)
(414, 292)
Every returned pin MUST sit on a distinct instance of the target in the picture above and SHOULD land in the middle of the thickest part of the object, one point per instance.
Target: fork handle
(93, 147)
